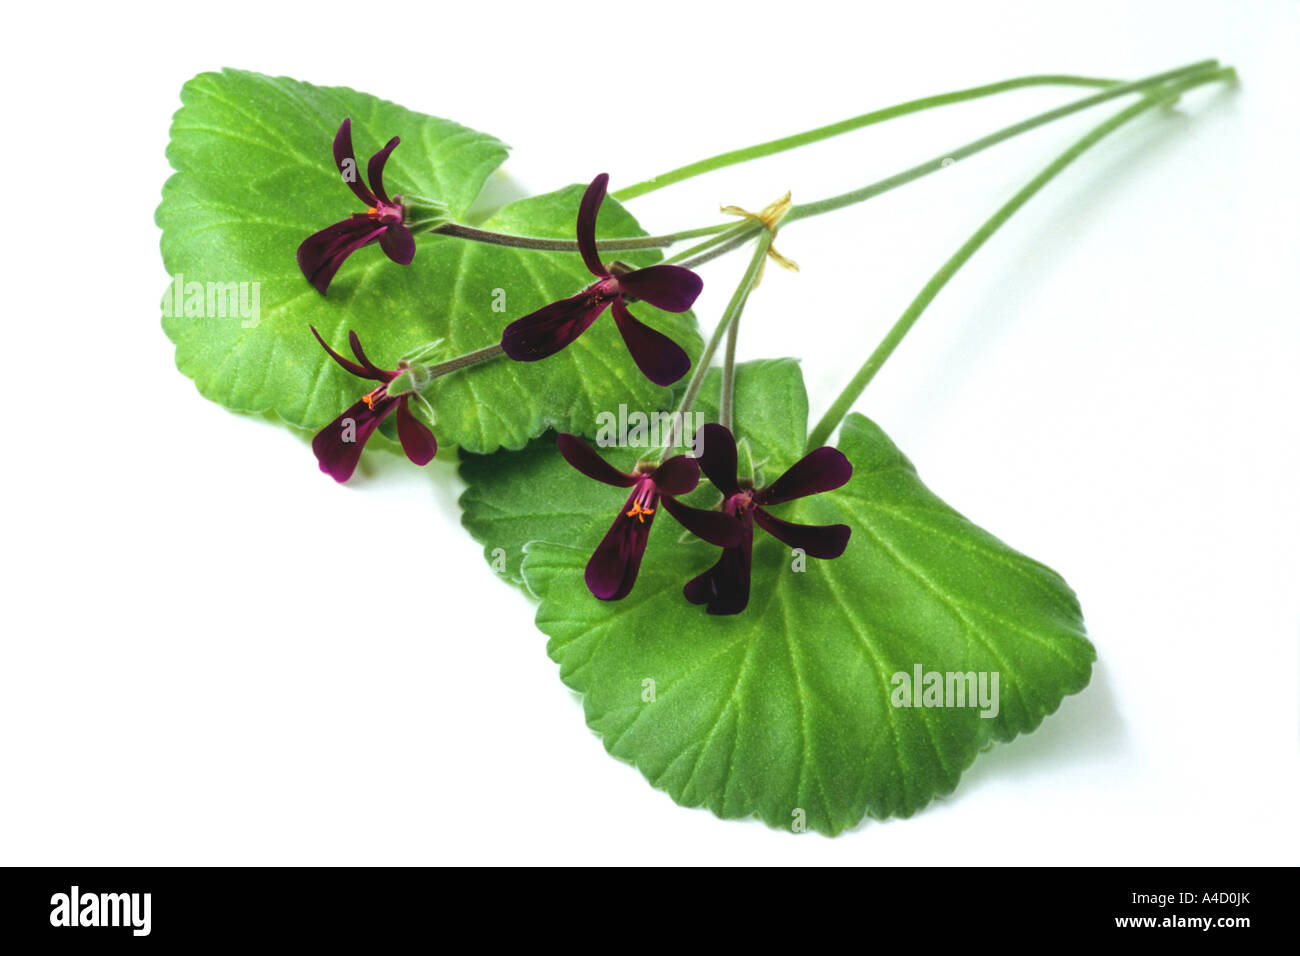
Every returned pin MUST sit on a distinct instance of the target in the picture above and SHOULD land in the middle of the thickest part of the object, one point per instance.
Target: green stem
(727, 403)
(414, 377)
(724, 237)
(807, 210)
(465, 361)
(840, 407)
(738, 234)
(735, 156)
(568, 245)
(729, 315)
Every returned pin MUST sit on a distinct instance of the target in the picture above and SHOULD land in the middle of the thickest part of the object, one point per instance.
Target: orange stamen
(639, 513)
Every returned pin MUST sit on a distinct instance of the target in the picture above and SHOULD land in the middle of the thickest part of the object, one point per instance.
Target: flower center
(387, 213)
(643, 504)
(604, 290)
(739, 503)
(375, 395)
(638, 512)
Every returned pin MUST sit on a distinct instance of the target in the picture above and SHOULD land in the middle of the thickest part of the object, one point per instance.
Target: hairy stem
(770, 148)
(569, 245)
(465, 361)
(724, 237)
(735, 235)
(729, 315)
(1157, 97)
(806, 210)
(727, 403)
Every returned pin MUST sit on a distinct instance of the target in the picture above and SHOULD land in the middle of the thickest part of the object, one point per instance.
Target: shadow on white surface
(1086, 728)
(1046, 245)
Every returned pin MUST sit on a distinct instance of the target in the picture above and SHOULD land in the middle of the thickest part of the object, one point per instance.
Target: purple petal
(613, 567)
(375, 170)
(542, 333)
(348, 364)
(398, 244)
(585, 458)
(816, 540)
(717, 528)
(718, 458)
(377, 373)
(677, 476)
(321, 253)
(659, 358)
(338, 445)
(822, 469)
(588, 209)
(671, 288)
(343, 151)
(417, 441)
(724, 588)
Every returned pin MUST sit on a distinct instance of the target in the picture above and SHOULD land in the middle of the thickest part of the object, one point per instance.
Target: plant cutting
(814, 637)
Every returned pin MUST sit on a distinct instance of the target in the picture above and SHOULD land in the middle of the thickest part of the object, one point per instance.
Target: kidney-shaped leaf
(790, 711)
(255, 176)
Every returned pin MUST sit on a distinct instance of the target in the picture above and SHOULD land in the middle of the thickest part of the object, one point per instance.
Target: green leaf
(784, 712)
(255, 176)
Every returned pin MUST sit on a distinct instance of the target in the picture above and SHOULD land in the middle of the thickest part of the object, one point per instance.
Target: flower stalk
(1161, 96)
(772, 147)
(832, 203)
(569, 245)
(738, 234)
(729, 315)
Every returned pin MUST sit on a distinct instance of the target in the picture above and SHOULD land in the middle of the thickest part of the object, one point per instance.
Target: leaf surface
(255, 176)
(787, 711)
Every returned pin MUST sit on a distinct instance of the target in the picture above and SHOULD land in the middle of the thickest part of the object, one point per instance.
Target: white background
(188, 674)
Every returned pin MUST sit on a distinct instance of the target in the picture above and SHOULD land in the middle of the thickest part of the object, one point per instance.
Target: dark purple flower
(320, 255)
(613, 567)
(725, 586)
(338, 445)
(542, 333)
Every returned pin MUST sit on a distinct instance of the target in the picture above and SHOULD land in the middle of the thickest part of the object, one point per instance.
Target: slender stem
(944, 160)
(719, 246)
(688, 255)
(840, 407)
(772, 147)
(739, 233)
(727, 403)
(724, 237)
(569, 245)
(466, 360)
(729, 315)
